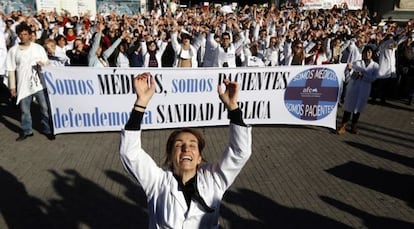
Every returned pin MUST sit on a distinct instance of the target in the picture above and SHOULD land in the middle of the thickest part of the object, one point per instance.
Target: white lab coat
(272, 56)
(387, 60)
(358, 89)
(355, 52)
(167, 207)
(158, 55)
(228, 57)
(178, 50)
(210, 51)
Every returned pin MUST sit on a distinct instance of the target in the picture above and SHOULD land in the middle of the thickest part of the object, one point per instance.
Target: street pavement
(297, 177)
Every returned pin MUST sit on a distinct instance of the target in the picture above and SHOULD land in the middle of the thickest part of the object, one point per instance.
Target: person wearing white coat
(355, 47)
(153, 51)
(226, 51)
(211, 50)
(361, 74)
(185, 52)
(272, 54)
(3, 51)
(388, 69)
(186, 193)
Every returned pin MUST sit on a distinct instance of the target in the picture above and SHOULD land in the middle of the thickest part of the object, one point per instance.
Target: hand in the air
(143, 90)
(230, 96)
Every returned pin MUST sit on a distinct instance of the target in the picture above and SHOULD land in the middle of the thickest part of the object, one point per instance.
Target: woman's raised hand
(143, 90)
(230, 96)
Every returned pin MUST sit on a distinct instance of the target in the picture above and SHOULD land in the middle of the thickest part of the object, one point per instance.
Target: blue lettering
(191, 85)
(72, 119)
(68, 86)
(78, 120)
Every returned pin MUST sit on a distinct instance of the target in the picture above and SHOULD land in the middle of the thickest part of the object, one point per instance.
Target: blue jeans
(26, 116)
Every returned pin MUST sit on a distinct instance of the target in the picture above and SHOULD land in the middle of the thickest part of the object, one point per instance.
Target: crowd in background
(208, 36)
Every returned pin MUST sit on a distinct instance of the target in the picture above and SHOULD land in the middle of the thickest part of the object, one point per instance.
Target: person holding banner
(187, 192)
(23, 64)
(361, 74)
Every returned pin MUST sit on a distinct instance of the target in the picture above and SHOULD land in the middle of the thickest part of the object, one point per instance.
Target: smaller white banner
(328, 4)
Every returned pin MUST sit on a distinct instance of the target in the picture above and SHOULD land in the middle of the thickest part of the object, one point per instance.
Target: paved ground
(297, 177)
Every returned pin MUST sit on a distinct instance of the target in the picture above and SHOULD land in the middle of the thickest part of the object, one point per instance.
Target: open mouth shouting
(186, 158)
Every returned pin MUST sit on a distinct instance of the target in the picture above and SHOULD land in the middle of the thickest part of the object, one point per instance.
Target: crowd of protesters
(209, 36)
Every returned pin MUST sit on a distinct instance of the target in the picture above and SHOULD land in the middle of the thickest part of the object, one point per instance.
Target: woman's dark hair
(301, 55)
(367, 48)
(296, 42)
(123, 44)
(150, 42)
(171, 140)
(322, 48)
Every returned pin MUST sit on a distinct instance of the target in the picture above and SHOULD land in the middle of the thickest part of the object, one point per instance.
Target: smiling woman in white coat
(186, 192)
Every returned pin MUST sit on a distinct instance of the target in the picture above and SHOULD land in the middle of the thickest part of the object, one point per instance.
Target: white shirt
(122, 60)
(23, 60)
(61, 53)
(272, 56)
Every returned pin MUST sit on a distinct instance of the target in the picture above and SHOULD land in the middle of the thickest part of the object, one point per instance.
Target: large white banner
(85, 99)
(328, 4)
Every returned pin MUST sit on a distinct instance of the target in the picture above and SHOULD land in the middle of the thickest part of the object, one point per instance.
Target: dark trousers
(382, 89)
(406, 89)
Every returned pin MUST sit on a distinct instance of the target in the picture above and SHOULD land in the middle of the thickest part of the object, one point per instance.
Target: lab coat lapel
(178, 195)
(194, 210)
